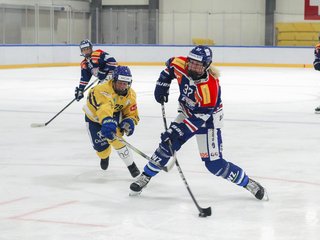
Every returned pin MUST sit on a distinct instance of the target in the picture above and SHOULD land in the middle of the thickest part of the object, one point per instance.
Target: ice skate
(137, 186)
(317, 110)
(133, 169)
(104, 163)
(257, 190)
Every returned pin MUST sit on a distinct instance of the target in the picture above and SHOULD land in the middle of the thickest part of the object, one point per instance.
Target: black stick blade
(205, 212)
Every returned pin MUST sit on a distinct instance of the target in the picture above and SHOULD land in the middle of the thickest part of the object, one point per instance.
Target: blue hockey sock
(228, 171)
(161, 156)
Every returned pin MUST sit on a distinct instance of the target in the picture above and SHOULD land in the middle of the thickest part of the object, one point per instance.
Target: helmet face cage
(122, 79)
(199, 59)
(84, 45)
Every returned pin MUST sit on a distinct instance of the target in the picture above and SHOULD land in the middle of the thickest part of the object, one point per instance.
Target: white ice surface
(51, 185)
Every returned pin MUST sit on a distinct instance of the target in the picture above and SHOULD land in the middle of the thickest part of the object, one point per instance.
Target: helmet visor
(195, 69)
(86, 52)
(121, 87)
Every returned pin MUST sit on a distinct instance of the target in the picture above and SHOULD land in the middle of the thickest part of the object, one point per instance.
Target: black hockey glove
(78, 93)
(176, 134)
(101, 75)
(171, 134)
(161, 92)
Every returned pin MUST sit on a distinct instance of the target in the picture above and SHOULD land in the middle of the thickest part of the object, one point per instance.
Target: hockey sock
(126, 156)
(228, 171)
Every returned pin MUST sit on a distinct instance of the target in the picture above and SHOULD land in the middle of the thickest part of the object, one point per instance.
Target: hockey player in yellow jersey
(111, 109)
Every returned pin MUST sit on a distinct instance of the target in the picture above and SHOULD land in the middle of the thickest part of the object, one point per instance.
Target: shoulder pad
(105, 87)
(179, 62)
(96, 53)
(132, 93)
(168, 62)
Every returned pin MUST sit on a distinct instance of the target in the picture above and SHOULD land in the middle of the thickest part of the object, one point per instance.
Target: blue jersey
(100, 64)
(200, 99)
(316, 62)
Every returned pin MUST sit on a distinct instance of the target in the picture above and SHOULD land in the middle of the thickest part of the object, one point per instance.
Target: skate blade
(134, 194)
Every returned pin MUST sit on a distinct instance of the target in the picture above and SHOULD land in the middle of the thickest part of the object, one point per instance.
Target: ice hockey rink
(51, 185)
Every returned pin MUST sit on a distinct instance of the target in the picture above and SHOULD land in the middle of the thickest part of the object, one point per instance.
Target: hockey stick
(164, 168)
(203, 212)
(34, 125)
(174, 158)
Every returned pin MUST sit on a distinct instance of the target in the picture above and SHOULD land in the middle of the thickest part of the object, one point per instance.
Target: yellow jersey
(103, 101)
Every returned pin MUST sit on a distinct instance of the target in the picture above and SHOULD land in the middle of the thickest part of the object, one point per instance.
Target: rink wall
(19, 56)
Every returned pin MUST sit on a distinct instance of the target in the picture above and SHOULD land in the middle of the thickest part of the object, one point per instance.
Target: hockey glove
(101, 75)
(176, 135)
(98, 73)
(161, 92)
(316, 65)
(127, 125)
(109, 128)
(78, 94)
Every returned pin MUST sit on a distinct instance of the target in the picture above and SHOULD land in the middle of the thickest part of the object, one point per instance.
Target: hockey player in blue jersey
(200, 115)
(95, 63)
(316, 65)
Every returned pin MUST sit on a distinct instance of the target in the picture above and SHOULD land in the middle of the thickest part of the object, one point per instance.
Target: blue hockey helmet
(122, 79)
(84, 45)
(202, 54)
(199, 59)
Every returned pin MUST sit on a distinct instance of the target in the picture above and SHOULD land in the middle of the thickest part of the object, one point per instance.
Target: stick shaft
(89, 86)
(207, 211)
(164, 118)
(164, 168)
